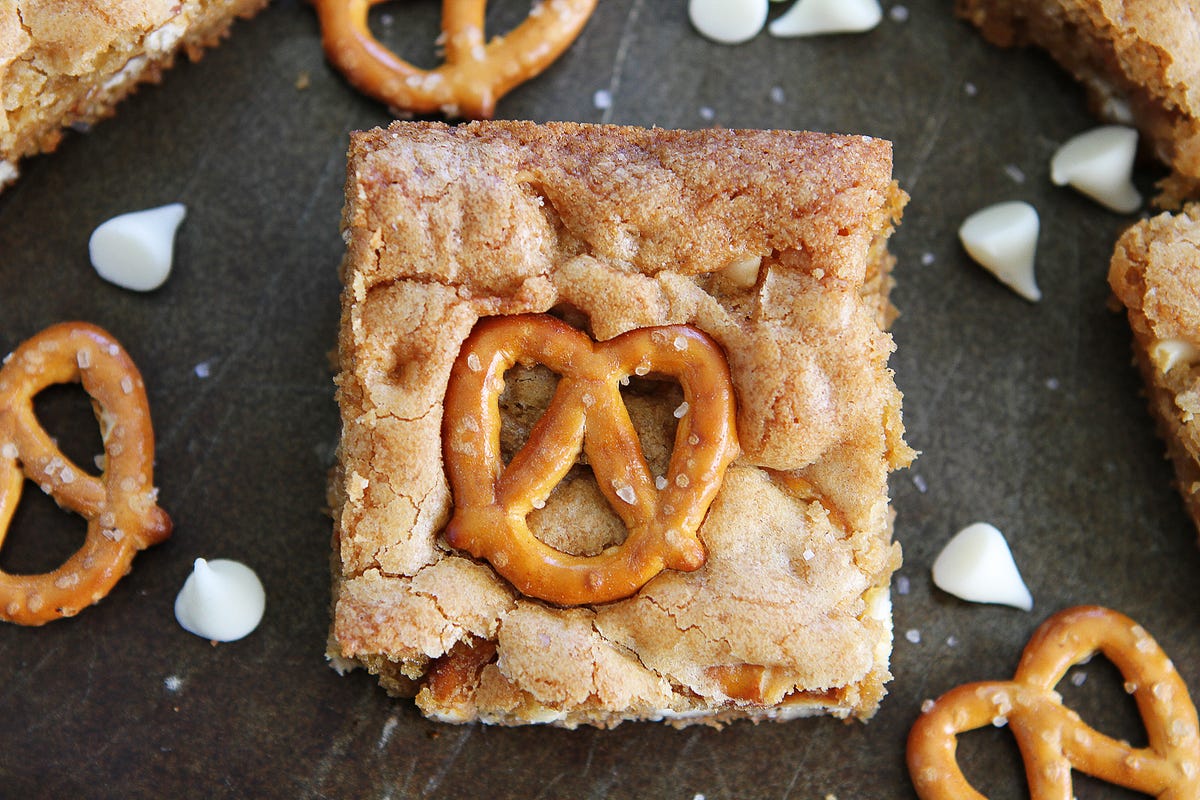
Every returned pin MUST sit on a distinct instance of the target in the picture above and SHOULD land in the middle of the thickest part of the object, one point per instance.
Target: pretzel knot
(1052, 738)
(475, 73)
(119, 506)
(586, 412)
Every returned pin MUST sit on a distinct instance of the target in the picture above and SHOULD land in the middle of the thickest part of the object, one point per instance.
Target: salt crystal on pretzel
(120, 506)
(1052, 738)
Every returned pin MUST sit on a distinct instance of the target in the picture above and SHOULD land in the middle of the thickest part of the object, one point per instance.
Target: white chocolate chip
(728, 21)
(134, 250)
(976, 565)
(1099, 163)
(221, 600)
(742, 273)
(1003, 239)
(1170, 353)
(815, 17)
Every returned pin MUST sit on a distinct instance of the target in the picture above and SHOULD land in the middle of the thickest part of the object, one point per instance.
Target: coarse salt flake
(682, 409)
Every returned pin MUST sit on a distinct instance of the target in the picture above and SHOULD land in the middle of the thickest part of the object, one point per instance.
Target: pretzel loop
(1053, 739)
(119, 506)
(474, 75)
(586, 412)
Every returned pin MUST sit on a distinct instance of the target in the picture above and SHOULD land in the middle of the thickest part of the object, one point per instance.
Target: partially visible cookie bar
(1139, 61)
(1155, 273)
(69, 62)
(772, 244)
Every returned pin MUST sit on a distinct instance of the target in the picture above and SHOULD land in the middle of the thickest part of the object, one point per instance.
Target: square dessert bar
(1138, 61)
(69, 62)
(517, 299)
(1155, 273)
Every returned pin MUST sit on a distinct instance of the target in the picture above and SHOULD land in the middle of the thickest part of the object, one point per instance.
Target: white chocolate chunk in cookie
(1170, 353)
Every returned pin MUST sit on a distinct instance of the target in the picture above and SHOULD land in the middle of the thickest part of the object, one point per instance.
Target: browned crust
(1155, 273)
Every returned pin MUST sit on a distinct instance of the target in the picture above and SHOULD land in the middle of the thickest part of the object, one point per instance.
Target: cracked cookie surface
(772, 243)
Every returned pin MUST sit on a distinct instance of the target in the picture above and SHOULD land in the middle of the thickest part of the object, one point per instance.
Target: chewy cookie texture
(68, 62)
(1139, 61)
(1155, 273)
(771, 243)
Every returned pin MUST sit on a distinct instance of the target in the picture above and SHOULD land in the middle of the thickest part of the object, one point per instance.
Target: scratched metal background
(1027, 416)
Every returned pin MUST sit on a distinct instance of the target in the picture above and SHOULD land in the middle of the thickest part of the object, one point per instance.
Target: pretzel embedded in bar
(120, 505)
(476, 72)
(492, 501)
(1053, 739)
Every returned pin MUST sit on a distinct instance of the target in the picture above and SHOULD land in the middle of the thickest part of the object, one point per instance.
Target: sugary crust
(1139, 61)
(614, 229)
(69, 62)
(1155, 273)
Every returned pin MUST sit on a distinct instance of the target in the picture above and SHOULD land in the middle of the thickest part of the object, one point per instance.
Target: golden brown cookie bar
(1139, 62)
(1155, 273)
(770, 243)
(68, 62)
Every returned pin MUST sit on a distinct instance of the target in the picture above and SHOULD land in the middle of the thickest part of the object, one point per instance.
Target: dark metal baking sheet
(1027, 416)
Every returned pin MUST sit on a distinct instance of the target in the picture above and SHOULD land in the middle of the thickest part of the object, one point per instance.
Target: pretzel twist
(475, 73)
(586, 412)
(119, 506)
(1053, 739)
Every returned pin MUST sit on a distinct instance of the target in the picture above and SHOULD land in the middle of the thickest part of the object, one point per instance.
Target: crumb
(303, 81)
(913, 635)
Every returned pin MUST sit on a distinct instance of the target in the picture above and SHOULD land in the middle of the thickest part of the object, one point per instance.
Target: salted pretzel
(586, 412)
(120, 505)
(475, 73)
(1053, 739)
